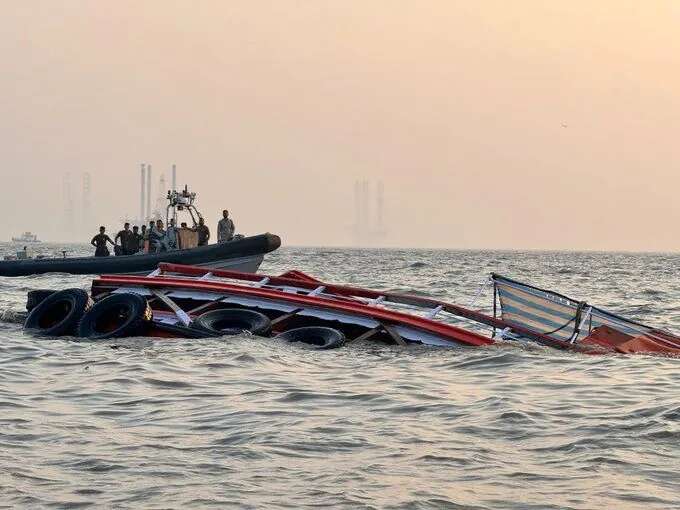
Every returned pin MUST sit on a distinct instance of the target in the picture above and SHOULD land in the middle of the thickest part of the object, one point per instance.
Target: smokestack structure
(160, 197)
(148, 193)
(141, 199)
(174, 177)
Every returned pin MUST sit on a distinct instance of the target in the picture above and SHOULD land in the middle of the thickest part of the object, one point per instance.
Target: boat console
(181, 201)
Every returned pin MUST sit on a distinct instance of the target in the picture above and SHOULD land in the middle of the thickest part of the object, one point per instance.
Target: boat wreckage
(182, 301)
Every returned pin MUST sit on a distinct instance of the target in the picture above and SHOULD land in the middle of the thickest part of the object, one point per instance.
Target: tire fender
(59, 313)
(233, 321)
(116, 316)
(317, 336)
(37, 296)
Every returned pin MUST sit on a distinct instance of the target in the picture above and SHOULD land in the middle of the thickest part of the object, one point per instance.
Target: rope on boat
(576, 319)
(585, 319)
(488, 281)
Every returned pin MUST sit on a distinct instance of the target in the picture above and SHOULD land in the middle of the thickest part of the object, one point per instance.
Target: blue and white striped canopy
(554, 314)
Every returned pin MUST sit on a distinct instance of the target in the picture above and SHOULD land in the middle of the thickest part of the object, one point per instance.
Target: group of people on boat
(156, 238)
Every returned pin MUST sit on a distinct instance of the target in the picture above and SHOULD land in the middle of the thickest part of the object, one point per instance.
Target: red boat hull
(347, 306)
(306, 295)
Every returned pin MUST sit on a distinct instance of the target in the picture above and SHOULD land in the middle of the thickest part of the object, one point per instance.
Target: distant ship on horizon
(26, 237)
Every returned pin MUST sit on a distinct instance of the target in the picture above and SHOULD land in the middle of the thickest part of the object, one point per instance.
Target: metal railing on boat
(420, 306)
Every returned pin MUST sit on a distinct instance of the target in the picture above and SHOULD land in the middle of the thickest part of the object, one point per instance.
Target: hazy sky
(274, 109)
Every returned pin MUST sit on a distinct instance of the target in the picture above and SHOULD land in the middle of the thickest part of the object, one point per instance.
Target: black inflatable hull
(241, 254)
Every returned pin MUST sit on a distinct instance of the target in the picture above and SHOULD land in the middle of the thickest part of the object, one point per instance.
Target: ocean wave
(13, 316)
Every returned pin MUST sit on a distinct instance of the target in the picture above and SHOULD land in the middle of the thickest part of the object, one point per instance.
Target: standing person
(128, 243)
(183, 241)
(157, 242)
(225, 228)
(144, 236)
(203, 232)
(171, 235)
(99, 242)
(148, 248)
(125, 237)
(135, 240)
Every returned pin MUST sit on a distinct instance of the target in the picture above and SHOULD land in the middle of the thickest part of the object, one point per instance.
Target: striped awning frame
(554, 314)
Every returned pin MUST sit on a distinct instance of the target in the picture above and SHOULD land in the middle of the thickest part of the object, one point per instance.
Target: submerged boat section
(576, 324)
(190, 301)
(522, 313)
(294, 296)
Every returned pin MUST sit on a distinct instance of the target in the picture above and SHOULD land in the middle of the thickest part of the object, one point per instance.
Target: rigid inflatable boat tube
(115, 316)
(233, 321)
(144, 263)
(59, 313)
(37, 296)
(317, 336)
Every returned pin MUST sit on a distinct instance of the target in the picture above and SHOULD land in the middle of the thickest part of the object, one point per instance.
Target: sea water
(246, 422)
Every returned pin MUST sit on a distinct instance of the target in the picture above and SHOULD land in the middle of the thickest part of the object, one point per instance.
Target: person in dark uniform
(99, 242)
(143, 236)
(203, 232)
(135, 240)
(126, 238)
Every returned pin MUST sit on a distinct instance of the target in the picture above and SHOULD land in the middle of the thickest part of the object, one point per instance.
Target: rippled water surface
(250, 423)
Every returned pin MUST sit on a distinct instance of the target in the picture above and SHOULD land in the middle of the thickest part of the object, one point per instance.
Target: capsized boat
(179, 295)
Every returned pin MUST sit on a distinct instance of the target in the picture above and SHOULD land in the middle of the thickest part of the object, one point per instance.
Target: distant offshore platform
(79, 217)
(369, 227)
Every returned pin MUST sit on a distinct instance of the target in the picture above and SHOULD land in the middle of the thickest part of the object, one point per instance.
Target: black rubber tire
(233, 321)
(59, 313)
(317, 336)
(181, 331)
(37, 296)
(116, 316)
